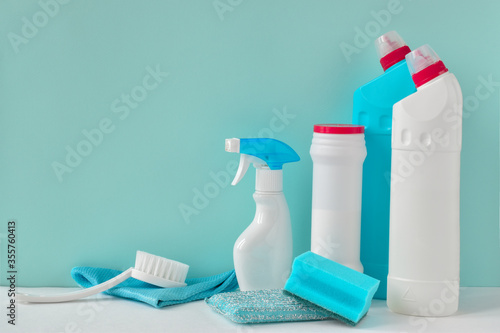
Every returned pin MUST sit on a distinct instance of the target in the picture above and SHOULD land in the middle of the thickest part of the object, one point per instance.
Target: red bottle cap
(339, 129)
(391, 49)
(424, 65)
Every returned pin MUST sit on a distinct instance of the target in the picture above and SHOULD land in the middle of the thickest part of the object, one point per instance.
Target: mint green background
(225, 79)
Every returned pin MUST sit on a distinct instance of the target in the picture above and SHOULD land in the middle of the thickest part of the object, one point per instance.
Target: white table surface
(479, 312)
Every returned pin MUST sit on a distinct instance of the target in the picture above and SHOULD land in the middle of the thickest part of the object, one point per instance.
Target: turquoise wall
(145, 92)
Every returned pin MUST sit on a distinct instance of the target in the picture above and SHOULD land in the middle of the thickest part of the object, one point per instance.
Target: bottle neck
(428, 83)
(429, 73)
(394, 57)
(267, 180)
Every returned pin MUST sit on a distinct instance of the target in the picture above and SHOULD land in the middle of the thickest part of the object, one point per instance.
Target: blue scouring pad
(344, 292)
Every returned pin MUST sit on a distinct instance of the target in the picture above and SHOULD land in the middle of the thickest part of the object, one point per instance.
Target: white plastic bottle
(424, 242)
(263, 253)
(338, 152)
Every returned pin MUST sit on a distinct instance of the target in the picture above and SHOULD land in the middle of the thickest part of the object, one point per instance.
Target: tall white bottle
(424, 241)
(263, 253)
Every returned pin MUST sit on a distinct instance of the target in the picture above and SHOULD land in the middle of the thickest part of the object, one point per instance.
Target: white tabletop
(479, 312)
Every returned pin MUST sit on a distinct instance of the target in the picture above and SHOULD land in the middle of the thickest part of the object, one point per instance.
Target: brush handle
(66, 297)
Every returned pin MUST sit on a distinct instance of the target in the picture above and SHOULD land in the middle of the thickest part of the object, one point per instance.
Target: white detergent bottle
(338, 152)
(263, 253)
(424, 241)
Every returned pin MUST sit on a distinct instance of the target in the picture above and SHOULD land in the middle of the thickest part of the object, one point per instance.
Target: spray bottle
(373, 109)
(424, 247)
(263, 253)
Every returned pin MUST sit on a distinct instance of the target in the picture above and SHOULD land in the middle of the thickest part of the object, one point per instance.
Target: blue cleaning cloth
(131, 288)
(346, 293)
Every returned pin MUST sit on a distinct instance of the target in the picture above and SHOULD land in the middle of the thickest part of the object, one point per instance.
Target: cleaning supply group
(385, 213)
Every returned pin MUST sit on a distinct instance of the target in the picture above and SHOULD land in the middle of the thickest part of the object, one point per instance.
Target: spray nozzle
(262, 153)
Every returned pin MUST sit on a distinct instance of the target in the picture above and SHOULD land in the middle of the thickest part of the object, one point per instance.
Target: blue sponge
(344, 292)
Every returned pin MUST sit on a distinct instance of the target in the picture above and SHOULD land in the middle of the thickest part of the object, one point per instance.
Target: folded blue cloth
(196, 289)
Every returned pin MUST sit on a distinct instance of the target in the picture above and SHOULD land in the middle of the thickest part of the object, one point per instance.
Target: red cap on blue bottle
(391, 49)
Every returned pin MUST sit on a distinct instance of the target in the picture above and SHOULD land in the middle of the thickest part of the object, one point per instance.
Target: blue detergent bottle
(373, 109)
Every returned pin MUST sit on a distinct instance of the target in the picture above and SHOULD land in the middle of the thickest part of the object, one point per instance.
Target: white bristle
(160, 267)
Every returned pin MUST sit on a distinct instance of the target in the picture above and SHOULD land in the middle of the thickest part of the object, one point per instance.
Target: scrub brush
(149, 268)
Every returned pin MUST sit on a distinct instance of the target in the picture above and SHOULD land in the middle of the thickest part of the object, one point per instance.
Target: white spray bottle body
(263, 253)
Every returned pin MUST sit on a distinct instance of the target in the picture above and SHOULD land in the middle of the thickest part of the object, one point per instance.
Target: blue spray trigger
(263, 153)
(273, 152)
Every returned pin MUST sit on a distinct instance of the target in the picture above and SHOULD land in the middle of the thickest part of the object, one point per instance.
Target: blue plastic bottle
(373, 108)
